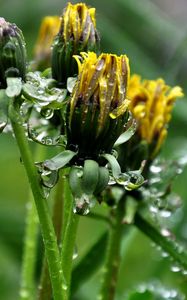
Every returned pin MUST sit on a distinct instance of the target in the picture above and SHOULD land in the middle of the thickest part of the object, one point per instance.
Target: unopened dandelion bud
(77, 33)
(12, 52)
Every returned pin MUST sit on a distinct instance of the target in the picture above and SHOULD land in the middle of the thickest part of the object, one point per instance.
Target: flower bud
(97, 110)
(48, 30)
(12, 52)
(77, 33)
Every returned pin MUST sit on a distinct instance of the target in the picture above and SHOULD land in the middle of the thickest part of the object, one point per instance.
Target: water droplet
(64, 287)
(164, 254)
(165, 232)
(111, 180)
(165, 213)
(75, 253)
(24, 294)
(153, 209)
(173, 293)
(47, 113)
(155, 169)
(175, 268)
(29, 206)
(80, 173)
(40, 92)
(166, 294)
(82, 205)
(2, 126)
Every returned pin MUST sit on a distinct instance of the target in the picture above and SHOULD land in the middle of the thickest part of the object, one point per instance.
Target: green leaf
(14, 86)
(115, 167)
(59, 161)
(124, 137)
(89, 264)
(3, 109)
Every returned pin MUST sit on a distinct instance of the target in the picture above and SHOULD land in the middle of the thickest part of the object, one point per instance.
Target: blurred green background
(154, 36)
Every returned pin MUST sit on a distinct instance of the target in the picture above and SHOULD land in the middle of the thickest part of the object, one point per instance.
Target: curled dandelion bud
(77, 33)
(151, 103)
(48, 30)
(98, 107)
(12, 52)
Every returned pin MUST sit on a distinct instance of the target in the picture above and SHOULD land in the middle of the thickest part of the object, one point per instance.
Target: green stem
(111, 266)
(29, 252)
(168, 245)
(70, 225)
(44, 291)
(27, 290)
(50, 242)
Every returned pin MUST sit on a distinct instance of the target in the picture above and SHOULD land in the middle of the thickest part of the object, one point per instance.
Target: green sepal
(102, 180)
(71, 83)
(125, 136)
(59, 161)
(115, 167)
(90, 176)
(75, 181)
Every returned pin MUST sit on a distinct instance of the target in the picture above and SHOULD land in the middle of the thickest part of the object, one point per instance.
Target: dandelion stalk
(29, 252)
(50, 241)
(45, 291)
(27, 290)
(112, 261)
(70, 224)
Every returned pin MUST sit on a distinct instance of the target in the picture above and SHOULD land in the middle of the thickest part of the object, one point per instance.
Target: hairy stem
(112, 261)
(50, 241)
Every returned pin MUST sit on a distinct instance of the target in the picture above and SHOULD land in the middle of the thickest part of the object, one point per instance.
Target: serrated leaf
(14, 87)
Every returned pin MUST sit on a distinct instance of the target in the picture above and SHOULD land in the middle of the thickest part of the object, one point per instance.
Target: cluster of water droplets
(41, 130)
(162, 202)
(176, 265)
(159, 292)
(43, 91)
